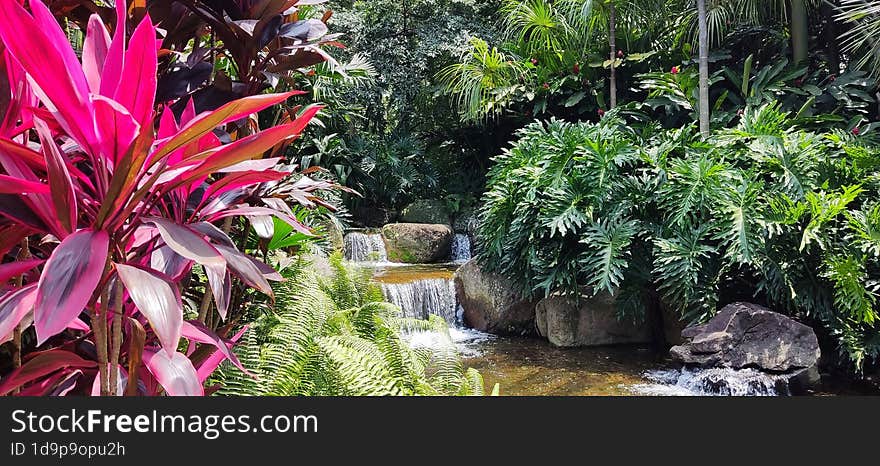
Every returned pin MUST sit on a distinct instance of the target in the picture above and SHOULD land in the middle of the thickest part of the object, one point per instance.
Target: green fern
(333, 336)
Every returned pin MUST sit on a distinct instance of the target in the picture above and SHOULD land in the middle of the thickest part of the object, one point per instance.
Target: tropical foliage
(109, 215)
(764, 210)
(335, 336)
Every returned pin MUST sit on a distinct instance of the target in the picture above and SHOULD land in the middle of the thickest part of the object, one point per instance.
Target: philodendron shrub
(107, 204)
(765, 211)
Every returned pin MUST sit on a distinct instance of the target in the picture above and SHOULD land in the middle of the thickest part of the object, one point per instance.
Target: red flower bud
(576, 68)
(620, 54)
(856, 131)
(674, 70)
(601, 113)
(534, 61)
(546, 86)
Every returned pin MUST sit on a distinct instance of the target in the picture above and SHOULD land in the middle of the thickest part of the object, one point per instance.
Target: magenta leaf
(60, 183)
(245, 269)
(221, 287)
(68, 281)
(170, 263)
(42, 364)
(13, 307)
(94, 52)
(174, 372)
(12, 185)
(209, 365)
(158, 300)
(206, 122)
(41, 47)
(14, 269)
(137, 85)
(198, 332)
(189, 244)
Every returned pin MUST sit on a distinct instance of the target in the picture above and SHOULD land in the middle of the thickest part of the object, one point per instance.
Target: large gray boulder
(417, 243)
(569, 322)
(425, 211)
(491, 303)
(747, 335)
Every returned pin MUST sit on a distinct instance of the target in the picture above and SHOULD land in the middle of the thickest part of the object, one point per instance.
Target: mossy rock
(417, 243)
(426, 211)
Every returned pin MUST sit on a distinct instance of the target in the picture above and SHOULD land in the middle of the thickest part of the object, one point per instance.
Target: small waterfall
(713, 382)
(461, 248)
(365, 247)
(420, 298)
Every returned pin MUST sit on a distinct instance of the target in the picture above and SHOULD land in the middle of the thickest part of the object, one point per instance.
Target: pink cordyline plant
(119, 202)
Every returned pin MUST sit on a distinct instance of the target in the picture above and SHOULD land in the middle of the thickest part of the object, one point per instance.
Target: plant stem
(25, 254)
(704, 67)
(612, 42)
(99, 327)
(116, 339)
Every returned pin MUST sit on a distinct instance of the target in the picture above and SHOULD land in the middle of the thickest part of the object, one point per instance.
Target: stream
(524, 366)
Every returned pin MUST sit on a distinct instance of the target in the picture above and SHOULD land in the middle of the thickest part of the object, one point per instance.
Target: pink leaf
(206, 122)
(136, 89)
(14, 306)
(165, 260)
(174, 372)
(14, 269)
(69, 280)
(117, 125)
(42, 49)
(158, 300)
(188, 243)
(248, 147)
(245, 269)
(60, 183)
(94, 52)
(42, 364)
(113, 64)
(210, 364)
(221, 287)
(78, 324)
(198, 332)
(12, 185)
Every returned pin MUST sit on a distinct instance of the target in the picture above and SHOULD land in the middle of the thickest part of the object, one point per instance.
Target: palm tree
(704, 67)
(862, 38)
(800, 37)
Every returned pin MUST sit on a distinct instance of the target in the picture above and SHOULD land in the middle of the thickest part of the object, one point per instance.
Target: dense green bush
(337, 337)
(765, 211)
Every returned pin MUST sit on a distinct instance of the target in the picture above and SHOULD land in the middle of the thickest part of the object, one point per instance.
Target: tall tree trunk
(612, 42)
(704, 67)
(829, 31)
(799, 36)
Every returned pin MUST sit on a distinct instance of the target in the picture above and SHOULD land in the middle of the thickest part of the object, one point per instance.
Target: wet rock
(417, 243)
(425, 211)
(490, 303)
(747, 335)
(593, 321)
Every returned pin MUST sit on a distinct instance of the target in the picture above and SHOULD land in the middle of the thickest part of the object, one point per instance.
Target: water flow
(420, 298)
(365, 247)
(712, 382)
(461, 248)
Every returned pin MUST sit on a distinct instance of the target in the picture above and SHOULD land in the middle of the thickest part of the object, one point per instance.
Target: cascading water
(365, 247)
(713, 382)
(420, 298)
(461, 248)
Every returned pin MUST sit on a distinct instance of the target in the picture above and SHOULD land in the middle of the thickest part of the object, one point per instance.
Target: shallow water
(531, 366)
